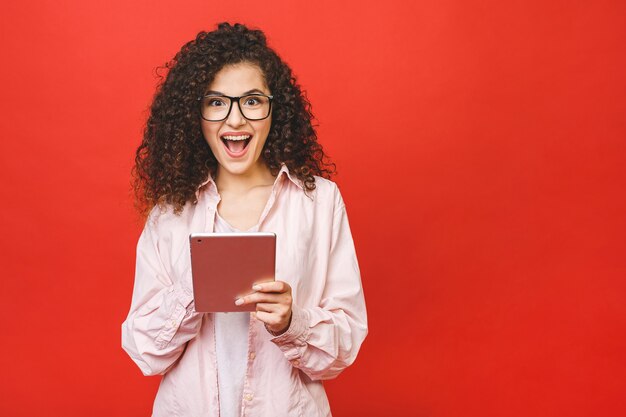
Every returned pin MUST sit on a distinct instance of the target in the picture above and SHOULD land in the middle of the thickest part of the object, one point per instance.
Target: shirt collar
(211, 188)
(285, 171)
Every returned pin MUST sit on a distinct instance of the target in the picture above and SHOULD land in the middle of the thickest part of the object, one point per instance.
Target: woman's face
(237, 156)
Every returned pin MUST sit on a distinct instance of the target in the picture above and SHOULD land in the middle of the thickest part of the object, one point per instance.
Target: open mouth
(236, 144)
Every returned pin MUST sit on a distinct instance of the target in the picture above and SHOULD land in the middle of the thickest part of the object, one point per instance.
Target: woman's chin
(242, 167)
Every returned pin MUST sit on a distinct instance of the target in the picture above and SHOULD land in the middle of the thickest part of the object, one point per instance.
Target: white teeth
(241, 137)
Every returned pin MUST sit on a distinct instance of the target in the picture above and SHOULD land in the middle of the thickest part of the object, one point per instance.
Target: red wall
(481, 149)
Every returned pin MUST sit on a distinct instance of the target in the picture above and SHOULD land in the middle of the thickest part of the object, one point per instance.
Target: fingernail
(239, 301)
(256, 287)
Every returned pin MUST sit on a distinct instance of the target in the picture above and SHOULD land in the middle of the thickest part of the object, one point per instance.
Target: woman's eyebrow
(219, 93)
(254, 90)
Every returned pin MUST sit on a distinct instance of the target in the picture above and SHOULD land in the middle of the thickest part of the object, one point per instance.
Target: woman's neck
(259, 175)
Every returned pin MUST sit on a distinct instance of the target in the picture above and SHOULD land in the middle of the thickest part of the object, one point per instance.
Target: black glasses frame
(236, 100)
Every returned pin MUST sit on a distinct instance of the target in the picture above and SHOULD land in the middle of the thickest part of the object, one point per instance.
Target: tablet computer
(225, 266)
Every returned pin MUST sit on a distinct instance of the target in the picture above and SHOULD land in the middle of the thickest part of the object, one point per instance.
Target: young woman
(229, 146)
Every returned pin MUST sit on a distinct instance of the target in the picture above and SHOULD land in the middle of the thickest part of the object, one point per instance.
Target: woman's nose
(235, 118)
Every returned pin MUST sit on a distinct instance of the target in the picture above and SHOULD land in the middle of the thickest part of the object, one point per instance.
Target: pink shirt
(315, 255)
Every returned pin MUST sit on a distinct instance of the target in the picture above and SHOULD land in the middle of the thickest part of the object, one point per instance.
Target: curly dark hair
(174, 158)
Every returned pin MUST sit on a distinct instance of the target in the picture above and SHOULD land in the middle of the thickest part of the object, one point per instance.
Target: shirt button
(252, 356)
(172, 323)
(295, 362)
(248, 397)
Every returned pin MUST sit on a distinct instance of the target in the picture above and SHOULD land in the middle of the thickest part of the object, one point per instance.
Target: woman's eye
(251, 101)
(215, 102)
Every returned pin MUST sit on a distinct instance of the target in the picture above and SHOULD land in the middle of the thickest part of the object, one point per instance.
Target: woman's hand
(273, 305)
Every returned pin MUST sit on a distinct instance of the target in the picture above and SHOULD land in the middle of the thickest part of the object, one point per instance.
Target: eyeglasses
(215, 108)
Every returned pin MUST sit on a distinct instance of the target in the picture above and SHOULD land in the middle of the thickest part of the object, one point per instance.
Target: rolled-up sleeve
(162, 318)
(323, 340)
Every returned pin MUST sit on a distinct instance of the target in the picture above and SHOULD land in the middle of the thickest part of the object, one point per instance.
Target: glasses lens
(255, 107)
(215, 107)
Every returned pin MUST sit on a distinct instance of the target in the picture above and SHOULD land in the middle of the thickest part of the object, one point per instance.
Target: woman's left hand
(273, 305)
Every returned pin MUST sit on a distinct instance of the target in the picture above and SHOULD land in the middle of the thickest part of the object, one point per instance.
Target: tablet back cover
(225, 266)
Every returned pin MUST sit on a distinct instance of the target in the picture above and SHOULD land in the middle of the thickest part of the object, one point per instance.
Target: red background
(481, 149)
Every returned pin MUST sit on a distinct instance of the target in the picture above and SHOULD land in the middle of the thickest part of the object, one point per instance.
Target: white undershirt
(231, 339)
